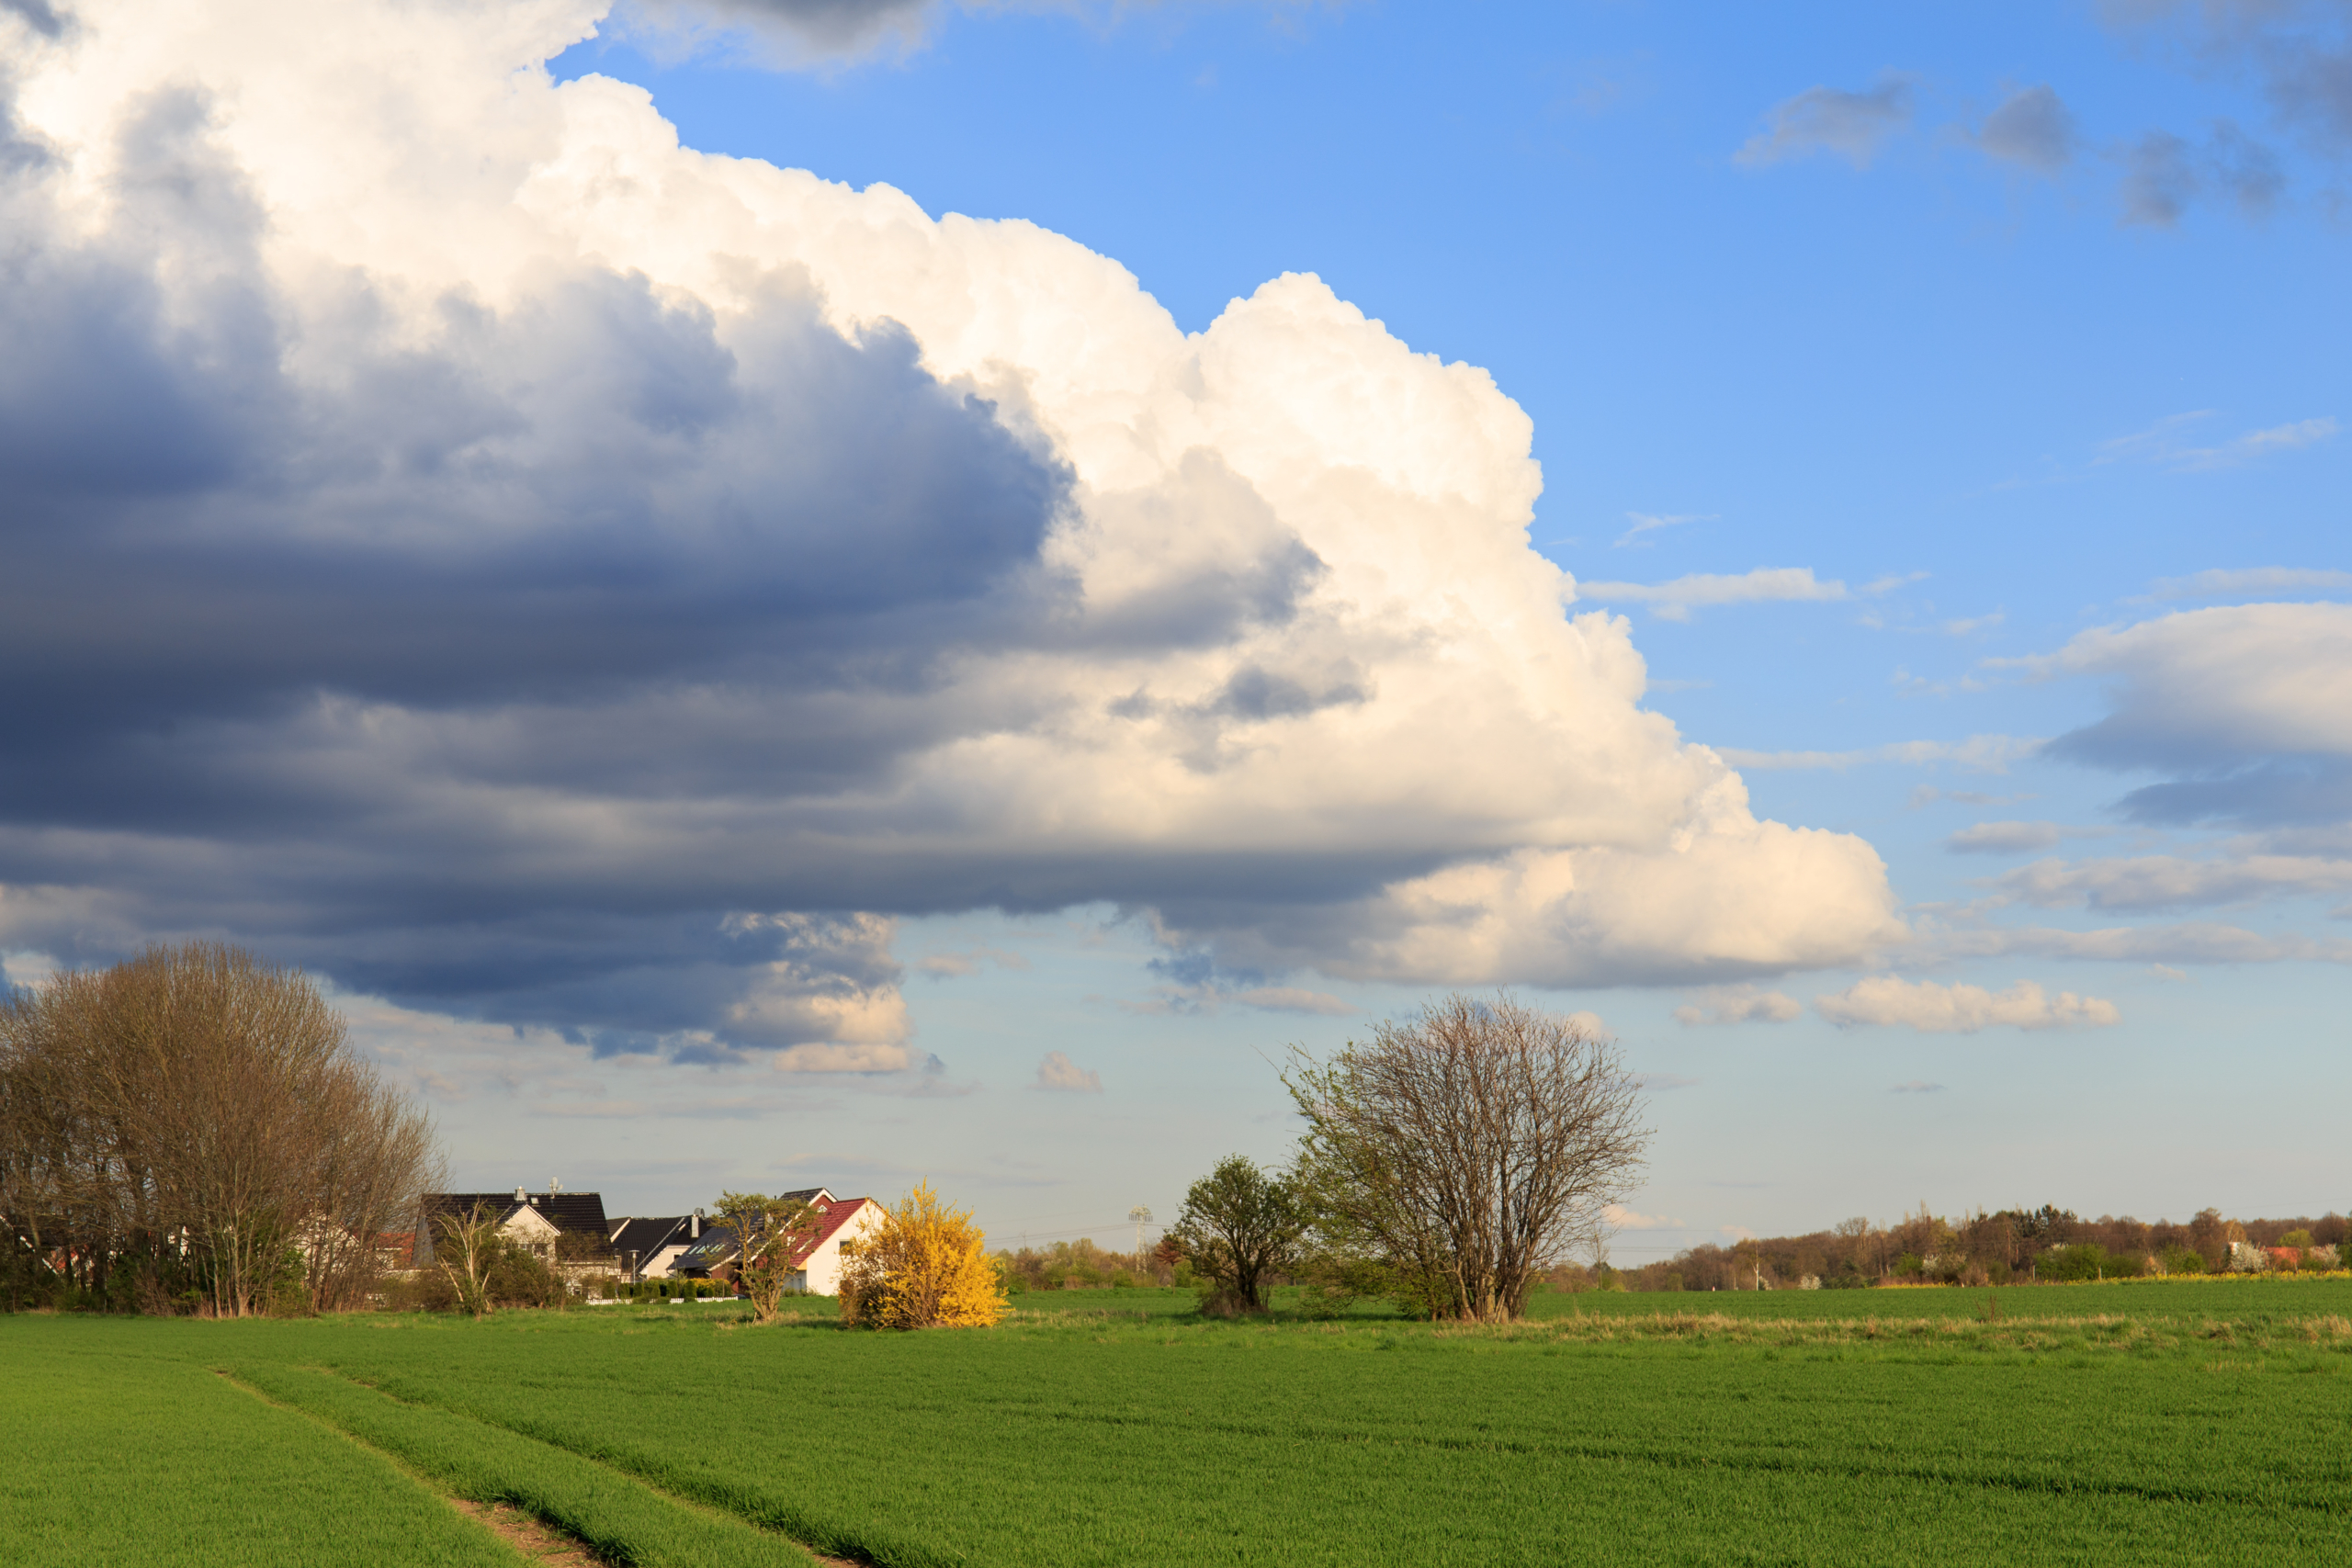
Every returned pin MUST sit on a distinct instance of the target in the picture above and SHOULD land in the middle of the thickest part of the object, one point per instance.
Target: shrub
(924, 1267)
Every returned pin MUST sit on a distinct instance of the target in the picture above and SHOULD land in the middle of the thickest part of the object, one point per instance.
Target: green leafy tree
(1238, 1225)
(767, 1231)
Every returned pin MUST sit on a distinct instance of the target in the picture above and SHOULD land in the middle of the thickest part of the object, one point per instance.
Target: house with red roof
(817, 1262)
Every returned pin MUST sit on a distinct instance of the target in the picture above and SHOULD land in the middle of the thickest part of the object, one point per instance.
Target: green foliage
(1238, 1227)
(2085, 1260)
(2296, 1238)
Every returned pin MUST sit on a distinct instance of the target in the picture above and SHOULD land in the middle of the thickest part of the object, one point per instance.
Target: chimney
(693, 1226)
(553, 1185)
(520, 1195)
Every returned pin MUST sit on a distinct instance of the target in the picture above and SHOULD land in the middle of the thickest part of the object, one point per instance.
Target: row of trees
(1449, 1163)
(190, 1131)
(1083, 1265)
(1981, 1248)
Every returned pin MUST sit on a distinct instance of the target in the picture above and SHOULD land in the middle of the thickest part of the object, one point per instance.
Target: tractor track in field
(539, 1540)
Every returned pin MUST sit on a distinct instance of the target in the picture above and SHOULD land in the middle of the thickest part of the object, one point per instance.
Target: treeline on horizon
(2006, 1246)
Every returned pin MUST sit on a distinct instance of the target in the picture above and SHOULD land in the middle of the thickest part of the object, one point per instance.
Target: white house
(817, 1266)
(816, 1262)
(533, 1220)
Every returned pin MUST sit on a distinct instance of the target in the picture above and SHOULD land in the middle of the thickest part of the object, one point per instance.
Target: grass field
(2197, 1421)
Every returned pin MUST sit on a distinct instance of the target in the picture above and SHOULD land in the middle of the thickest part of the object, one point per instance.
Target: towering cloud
(463, 540)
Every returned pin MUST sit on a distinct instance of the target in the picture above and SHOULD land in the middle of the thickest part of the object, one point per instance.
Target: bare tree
(194, 1128)
(467, 1248)
(1470, 1148)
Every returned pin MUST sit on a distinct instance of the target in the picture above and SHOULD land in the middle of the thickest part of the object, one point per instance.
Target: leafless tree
(467, 1248)
(1470, 1148)
(191, 1125)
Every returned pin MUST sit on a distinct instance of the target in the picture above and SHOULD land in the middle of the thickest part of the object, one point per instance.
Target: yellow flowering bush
(923, 1267)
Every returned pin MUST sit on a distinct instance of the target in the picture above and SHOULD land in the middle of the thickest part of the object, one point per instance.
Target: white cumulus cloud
(1739, 1004)
(1674, 601)
(1934, 1008)
(788, 548)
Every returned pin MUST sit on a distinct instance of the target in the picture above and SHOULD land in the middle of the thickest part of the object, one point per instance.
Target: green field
(2197, 1422)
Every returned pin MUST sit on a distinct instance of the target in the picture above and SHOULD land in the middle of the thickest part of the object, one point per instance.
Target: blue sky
(2010, 338)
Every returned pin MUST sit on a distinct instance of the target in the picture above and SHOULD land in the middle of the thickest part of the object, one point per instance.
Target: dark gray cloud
(2164, 176)
(1832, 119)
(798, 31)
(38, 15)
(2247, 170)
(328, 660)
(2240, 710)
(2032, 128)
(2300, 51)
(2159, 180)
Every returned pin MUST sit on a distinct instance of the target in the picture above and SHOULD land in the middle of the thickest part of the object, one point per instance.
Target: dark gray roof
(718, 1242)
(565, 1210)
(647, 1237)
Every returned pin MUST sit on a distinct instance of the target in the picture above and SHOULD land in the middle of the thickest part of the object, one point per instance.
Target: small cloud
(1674, 601)
(2167, 971)
(2163, 174)
(1892, 581)
(1829, 119)
(1058, 1072)
(1646, 523)
(872, 1057)
(1737, 1232)
(2223, 583)
(2254, 444)
(24, 969)
(2160, 444)
(1973, 625)
(1660, 1083)
(2159, 181)
(1289, 998)
(439, 1085)
(947, 965)
(1739, 1004)
(1981, 753)
(1933, 1008)
(2014, 837)
(1625, 1219)
(2031, 128)
(1916, 1086)
(2246, 169)
(1927, 794)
